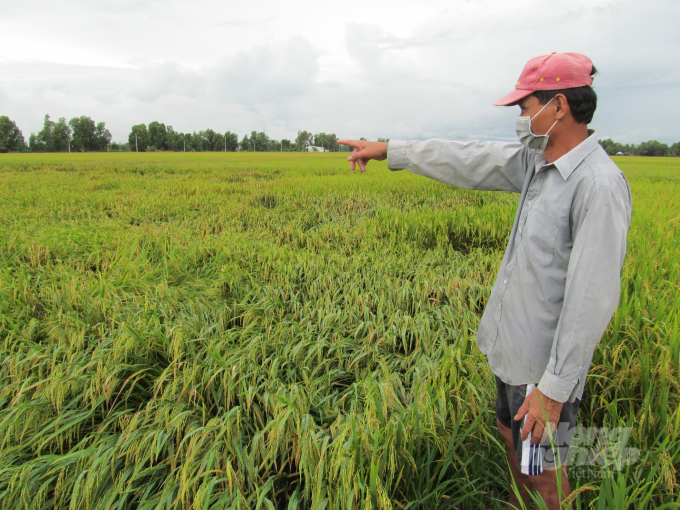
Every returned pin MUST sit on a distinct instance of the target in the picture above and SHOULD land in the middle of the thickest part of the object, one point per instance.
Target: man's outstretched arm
(489, 166)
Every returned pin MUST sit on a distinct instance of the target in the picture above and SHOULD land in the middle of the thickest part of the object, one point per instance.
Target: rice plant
(272, 331)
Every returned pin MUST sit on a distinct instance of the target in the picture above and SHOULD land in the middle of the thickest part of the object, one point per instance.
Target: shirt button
(520, 230)
(505, 281)
(530, 202)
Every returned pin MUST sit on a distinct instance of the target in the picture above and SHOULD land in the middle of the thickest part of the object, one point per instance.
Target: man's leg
(523, 482)
(546, 467)
(547, 485)
(543, 464)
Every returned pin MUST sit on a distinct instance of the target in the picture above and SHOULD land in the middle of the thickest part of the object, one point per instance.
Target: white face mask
(528, 139)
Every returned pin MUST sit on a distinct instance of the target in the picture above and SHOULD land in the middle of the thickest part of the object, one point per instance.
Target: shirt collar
(568, 163)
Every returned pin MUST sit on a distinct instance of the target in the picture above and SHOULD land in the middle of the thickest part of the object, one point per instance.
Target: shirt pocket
(541, 236)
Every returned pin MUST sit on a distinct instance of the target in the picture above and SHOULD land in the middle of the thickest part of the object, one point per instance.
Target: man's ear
(561, 106)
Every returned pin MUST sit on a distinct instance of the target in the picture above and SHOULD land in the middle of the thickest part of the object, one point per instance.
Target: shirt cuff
(555, 387)
(396, 154)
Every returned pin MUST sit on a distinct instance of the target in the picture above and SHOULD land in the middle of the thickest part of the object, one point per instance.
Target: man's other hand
(364, 151)
(540, 411)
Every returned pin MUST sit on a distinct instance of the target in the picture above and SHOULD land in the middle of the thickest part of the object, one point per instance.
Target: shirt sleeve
(600, 225)
(489, 166)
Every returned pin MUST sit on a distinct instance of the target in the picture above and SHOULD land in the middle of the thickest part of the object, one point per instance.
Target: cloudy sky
(396, 69)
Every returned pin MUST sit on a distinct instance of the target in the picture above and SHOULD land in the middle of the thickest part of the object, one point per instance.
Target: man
(559, 282)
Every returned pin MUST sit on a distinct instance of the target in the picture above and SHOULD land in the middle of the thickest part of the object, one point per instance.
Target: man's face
(529, 107)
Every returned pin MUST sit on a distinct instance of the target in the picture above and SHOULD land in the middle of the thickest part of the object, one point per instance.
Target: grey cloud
(476, 57)
(121, 6)
(243, 22)
(437, 80)
(367, 43)
(271, 73)
(168, 79)
(255, 89)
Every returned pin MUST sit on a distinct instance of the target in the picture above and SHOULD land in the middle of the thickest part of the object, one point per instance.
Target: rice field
(269, 331)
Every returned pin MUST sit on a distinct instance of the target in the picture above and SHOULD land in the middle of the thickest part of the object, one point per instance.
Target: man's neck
(564, 142)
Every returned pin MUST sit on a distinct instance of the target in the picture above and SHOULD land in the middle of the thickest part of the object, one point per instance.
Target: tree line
(82, 134)
(79, 134)
(158, 136)
(650, 148)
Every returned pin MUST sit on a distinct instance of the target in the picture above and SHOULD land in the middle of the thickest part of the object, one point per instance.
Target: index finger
(527, 426)
(351, 143)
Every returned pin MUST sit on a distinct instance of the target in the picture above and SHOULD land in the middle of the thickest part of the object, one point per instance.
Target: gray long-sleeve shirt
(560, 279)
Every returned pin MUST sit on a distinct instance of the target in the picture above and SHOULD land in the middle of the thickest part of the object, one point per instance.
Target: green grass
(273, 331)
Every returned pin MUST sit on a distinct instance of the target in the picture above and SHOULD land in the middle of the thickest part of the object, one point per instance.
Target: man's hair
(582, 100)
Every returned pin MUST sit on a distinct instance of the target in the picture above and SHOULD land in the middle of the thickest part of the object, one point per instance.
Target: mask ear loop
(539, 112)
(544, 107)
(548, 131)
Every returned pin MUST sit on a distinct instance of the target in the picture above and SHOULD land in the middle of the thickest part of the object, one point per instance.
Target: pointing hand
(364, 151)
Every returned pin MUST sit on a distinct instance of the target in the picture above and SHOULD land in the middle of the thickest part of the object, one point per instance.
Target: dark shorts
(533, 458)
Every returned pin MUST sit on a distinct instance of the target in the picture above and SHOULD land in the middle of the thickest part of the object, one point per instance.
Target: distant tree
(54, 137)
(231, 140)
(158, 135)
(85, 136)
(173, 140)
(259, 141)
(119, 147)
(102, 137)
(186, 142)
(327, 141)
(611, 147)
(333, 142)
(674, 150)
(630, 149)
(138, 138)
(11, 138)
(245, 143)
(303, 140)
(208, 140)
(218, 143)
(35, 144)
(42, 142)
(285, 144)
(652, 148)
(273, 145)
(319, 140)
(196, 141)
(61, 136)
(177, 141)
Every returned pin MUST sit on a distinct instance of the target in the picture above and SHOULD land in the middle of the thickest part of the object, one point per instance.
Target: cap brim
(513, 97)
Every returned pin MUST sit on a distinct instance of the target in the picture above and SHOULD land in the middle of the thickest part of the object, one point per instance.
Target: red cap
(550, 72)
